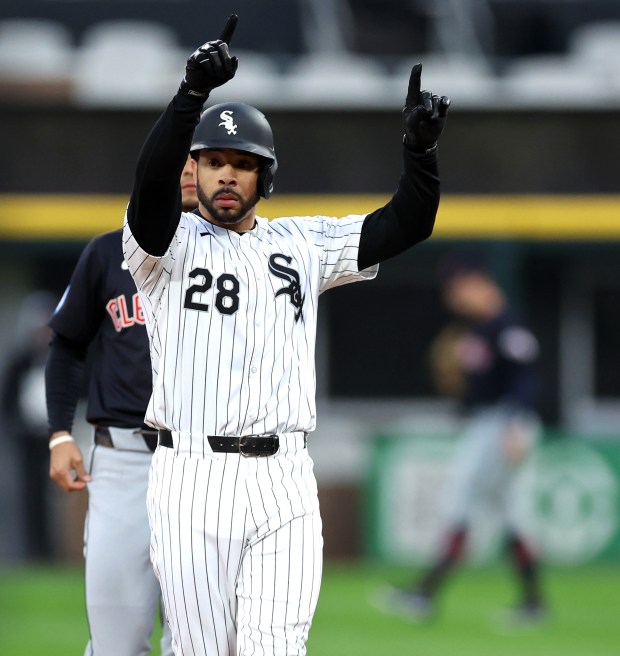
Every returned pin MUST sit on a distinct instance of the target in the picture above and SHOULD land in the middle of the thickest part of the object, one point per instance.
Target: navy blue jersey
(498, 358)
(101, 308)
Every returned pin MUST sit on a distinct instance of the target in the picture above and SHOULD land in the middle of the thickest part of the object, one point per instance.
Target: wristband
(59, 440)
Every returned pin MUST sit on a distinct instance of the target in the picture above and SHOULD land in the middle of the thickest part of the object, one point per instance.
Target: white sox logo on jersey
(290, 275)
(227, 122)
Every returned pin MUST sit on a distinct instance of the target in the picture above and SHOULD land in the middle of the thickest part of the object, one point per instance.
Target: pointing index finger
(413, 92)
(229, 28)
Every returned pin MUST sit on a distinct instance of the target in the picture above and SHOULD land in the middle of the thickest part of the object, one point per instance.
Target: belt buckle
(242, 442)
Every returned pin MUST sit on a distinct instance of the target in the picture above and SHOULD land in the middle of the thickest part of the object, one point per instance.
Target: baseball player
(101, 307)
(230, 304)
(495, 355)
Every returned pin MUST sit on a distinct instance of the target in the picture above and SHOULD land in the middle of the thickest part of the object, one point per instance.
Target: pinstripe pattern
(251, 371)
(236, 542)
(237, 547)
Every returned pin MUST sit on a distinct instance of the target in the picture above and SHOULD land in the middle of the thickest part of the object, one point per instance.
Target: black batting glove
(211, 65)
(424, 115)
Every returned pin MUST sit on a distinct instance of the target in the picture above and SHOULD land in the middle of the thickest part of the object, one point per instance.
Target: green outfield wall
(569, 501)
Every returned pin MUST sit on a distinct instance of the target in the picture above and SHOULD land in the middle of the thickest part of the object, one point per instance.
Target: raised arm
(155, 205)
(409, 217)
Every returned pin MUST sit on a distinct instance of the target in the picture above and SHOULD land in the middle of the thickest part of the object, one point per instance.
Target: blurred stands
(317, 53)
(36, 60)
(127, 63)
(259, 79)
(349, 54)
(468, 78)
(329, 79)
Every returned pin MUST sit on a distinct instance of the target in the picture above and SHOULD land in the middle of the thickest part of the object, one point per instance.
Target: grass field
(41, 612)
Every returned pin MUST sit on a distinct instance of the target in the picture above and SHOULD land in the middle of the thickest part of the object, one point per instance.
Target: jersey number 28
(226, 298)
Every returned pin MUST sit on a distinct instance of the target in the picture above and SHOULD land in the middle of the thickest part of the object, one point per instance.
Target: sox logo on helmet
(241, 127)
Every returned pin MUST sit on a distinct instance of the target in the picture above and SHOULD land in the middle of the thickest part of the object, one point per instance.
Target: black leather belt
(247, 445)
(103, 437)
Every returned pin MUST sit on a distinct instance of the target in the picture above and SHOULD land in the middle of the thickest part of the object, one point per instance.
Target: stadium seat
(466, 80)
(128, 63)
(343, 80)
(595, 47)
(596, 43)
(256, 82)
(551, 81)
(36, 58)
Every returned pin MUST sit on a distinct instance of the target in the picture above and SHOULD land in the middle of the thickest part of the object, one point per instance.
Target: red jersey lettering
(119, 313)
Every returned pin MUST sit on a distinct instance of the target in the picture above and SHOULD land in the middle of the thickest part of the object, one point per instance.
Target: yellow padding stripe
(581, 217)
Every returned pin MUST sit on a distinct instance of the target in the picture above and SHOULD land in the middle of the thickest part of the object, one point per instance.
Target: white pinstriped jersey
(232, 320)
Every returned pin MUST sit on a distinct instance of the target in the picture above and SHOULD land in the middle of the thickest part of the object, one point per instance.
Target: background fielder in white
(230, 303)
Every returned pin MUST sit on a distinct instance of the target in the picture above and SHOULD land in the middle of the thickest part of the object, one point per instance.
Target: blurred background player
(485, 357)
(24, 427)
(101, 308)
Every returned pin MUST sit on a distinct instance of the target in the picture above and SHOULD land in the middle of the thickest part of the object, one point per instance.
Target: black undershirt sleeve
(154, 208)
(408, 218)
(64, 379)
(155, 205)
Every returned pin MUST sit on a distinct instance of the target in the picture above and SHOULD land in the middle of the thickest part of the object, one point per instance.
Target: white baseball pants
(237, 545)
